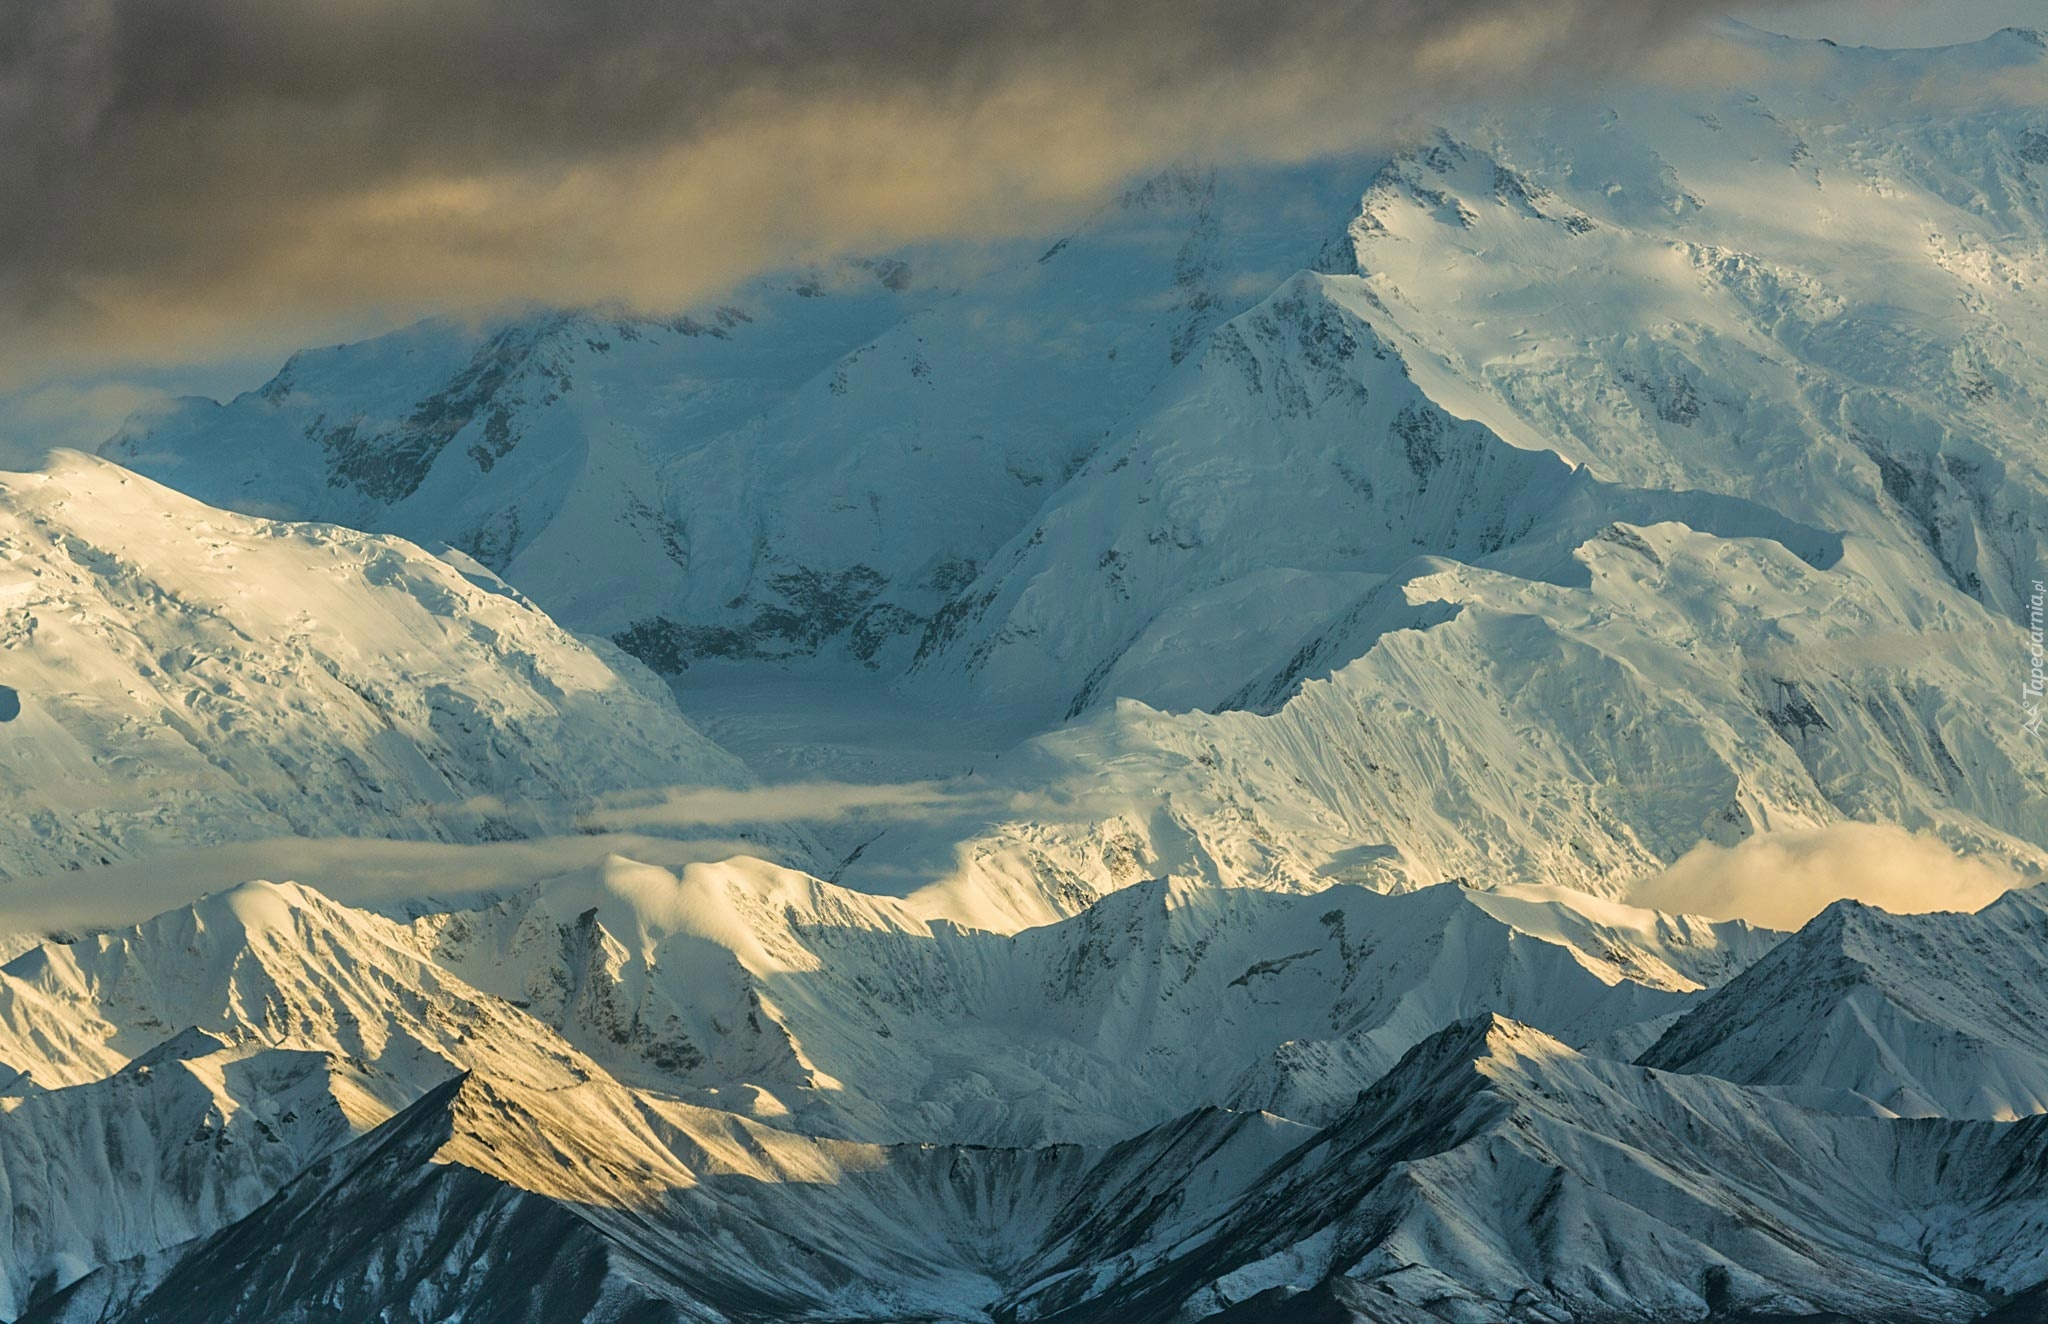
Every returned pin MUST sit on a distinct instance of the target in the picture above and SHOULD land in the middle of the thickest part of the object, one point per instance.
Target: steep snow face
(178, 1143)
(1824, 291)
(1650, 473)
(186, 676)
(767, 992)
(265, 963)
(817, 464)
(1495, 1174)
(1270, 483)
(1924, 1015)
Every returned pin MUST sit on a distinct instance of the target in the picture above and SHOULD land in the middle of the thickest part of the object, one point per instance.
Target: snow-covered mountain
(182, 1140)
(1924, 1015)
(177, 675)
(1358, 522)
(330, 1074)
(1632, 475)
(268, 1025)
(819, 463)
(1492, 1171)
(1496, 1174)
(1290, 612)
(169, 1078)
(769, 993)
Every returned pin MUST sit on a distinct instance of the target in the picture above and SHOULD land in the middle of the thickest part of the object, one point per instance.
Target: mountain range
(1692, 434)
(332, 1069)
(1105, 778)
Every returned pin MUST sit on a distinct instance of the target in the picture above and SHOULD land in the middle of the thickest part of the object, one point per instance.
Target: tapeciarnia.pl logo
(2037, 661)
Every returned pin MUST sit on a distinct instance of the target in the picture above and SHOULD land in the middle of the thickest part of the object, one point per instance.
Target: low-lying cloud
(698, 807)
(179, 176)
(1783, 879)
(400, 876)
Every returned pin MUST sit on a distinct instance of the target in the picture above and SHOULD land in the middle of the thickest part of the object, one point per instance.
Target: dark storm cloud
(177, 172)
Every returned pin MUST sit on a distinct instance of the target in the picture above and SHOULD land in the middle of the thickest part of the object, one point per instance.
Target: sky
(190, 189)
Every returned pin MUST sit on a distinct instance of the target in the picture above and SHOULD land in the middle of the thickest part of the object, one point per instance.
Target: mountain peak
(261, 907)
(1332, 574)
(1491, 1036)
(1460, 1059)
(271, 680)
(1882, 1005)
(190, 1042)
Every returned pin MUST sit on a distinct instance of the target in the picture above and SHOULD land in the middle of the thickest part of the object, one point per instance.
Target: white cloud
(788, 802)
(1783, 879)
(355, 871)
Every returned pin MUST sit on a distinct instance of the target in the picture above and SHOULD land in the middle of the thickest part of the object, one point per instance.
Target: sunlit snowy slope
(1631, 475)
(770, 993)
(178, 674)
